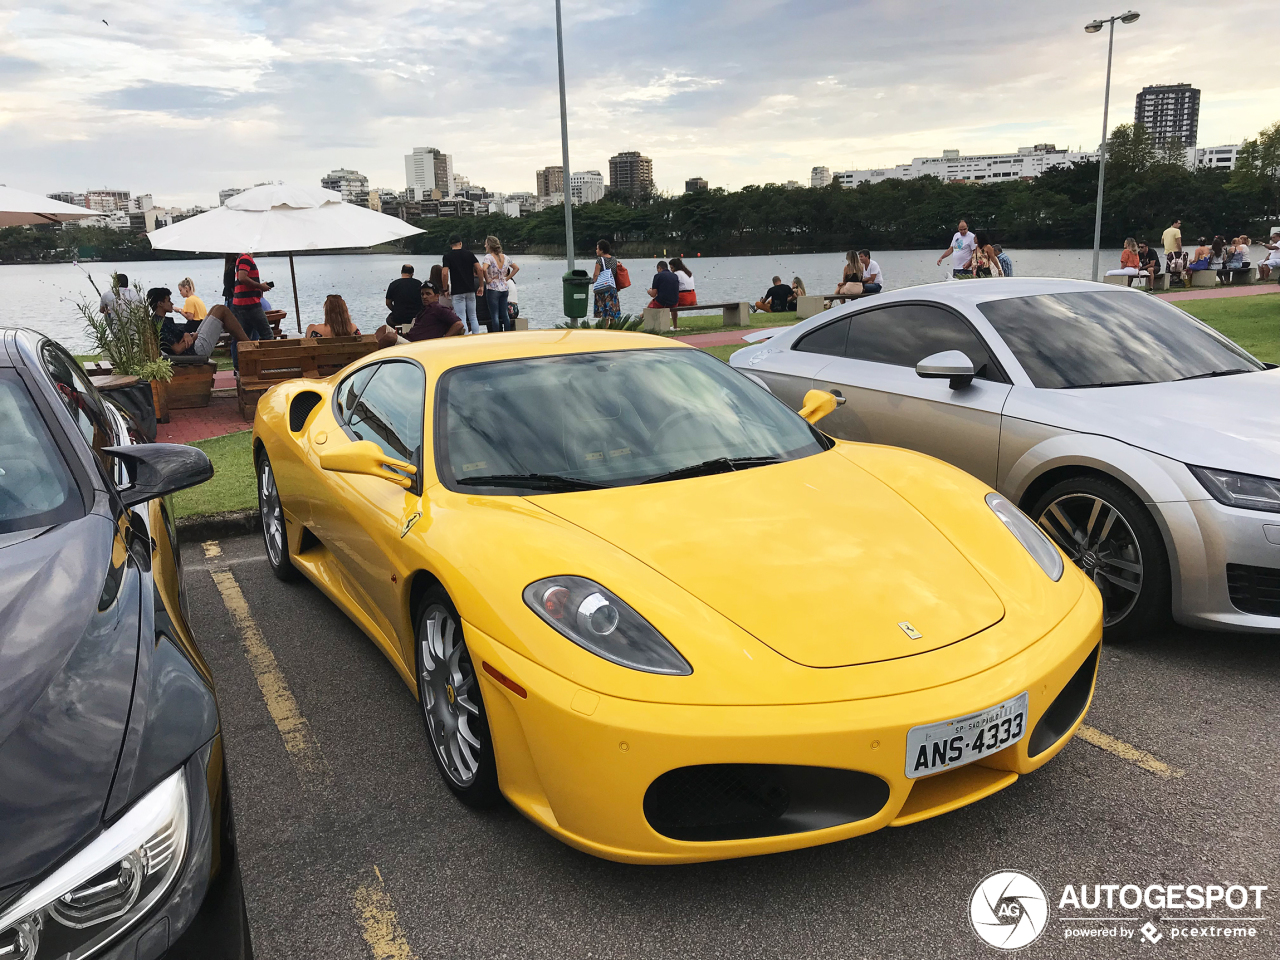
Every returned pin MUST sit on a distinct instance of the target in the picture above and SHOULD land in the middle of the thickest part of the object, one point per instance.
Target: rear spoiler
(755, 336)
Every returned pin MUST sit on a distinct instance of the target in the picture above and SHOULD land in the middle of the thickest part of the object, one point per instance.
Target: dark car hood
(69, 618)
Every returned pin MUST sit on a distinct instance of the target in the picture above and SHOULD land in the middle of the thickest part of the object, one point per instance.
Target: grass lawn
(714, 323)
(1252, 322)
(233, 486)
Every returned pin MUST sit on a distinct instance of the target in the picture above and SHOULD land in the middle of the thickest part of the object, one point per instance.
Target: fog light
(598, 615)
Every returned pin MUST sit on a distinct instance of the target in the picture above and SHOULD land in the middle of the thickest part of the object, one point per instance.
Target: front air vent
(1254, 590)
(1066, 707)
(300, 408)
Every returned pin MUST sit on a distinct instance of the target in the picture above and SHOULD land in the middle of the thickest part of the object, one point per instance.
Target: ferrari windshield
(1106, 339)
(581, 421)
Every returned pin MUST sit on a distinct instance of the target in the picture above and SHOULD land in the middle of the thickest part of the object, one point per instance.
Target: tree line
(1147, 188)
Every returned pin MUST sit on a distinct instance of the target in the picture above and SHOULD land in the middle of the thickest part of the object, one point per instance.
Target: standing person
(193, 307)
(246, 304)
(337, 320)
(775, 299)
(983, 263)
(665, 290)
(460, 277)
(688, 295)
(797, 291)
(404, 298)
(1006, 265)
(228, 279)
(1171, 239)
(961, 249)
(851, 276)
(872, 278)
(1129, 262)
(1148, 265)
(604, 283)
(121, 292)
(498, 269)
(434, 320)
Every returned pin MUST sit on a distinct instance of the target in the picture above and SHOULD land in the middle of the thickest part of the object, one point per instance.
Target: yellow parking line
(379, 924)
(212, 549)
(283, 707)
(1129, 753)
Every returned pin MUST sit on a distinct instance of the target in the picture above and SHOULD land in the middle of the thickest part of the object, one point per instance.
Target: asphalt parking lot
(352, 846)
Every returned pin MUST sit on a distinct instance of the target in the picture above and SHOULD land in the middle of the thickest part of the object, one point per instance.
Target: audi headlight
(1240, 489)
(105, 888)
(1029, 535)
(598, 621)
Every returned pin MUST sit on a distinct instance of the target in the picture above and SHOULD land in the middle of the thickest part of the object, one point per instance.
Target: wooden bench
(264, 363)
(736, 314)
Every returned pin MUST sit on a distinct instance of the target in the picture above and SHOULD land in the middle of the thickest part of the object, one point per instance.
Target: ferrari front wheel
(452, 708)
(272, 515)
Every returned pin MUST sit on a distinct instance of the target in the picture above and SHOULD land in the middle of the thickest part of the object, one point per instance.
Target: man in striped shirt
(246, 302)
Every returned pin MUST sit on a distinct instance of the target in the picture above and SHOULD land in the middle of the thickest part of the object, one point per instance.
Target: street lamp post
(1094, 27)
(564, 145)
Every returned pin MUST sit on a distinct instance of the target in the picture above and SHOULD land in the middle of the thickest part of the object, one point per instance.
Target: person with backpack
(498, 269)
(605, 284)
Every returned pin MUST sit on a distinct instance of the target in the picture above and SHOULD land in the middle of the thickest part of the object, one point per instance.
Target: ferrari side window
(348, 391)
(389, 410)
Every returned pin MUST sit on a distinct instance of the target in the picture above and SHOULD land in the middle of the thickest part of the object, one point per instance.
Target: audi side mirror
(951, 365)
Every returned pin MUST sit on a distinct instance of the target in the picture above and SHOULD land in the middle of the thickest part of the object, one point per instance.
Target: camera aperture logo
(1008, 910)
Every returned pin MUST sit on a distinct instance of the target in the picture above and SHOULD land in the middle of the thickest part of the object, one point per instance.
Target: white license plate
(933, 747)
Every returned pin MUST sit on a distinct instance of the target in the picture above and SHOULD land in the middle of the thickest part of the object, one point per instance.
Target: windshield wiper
(1107, 383)
(708, 467)
(1214, 373)
(551, 482)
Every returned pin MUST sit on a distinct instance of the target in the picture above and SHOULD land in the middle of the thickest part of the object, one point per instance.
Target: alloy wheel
(447, 686)
(272, 514)
(1097, 537)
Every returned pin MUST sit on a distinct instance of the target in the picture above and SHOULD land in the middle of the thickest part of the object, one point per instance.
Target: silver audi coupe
(1146, 444)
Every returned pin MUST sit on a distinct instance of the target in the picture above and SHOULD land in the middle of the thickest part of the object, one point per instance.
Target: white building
(68, 196)
(820, 177)
(586, 186)
(1027, 162)
(428, 169)
(352, 184)
(1219, 158)
(106, 201)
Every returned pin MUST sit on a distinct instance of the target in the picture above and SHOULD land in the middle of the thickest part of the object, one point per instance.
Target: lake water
(43, 296)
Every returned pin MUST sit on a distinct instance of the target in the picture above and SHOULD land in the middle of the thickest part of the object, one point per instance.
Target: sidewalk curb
(217, 526)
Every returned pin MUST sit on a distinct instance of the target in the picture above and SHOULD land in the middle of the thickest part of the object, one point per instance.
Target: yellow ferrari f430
(659, 612)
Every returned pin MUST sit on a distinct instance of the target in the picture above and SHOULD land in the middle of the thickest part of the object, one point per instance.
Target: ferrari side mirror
(818, 403)
(368, 459)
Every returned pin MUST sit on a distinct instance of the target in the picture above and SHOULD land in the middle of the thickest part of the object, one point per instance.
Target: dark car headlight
(106, 887)
(1242, 490)
(596, 620)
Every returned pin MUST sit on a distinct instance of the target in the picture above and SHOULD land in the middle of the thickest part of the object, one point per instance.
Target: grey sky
(181, 99)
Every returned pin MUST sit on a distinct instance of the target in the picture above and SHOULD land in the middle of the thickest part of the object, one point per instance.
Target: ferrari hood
(815, 558)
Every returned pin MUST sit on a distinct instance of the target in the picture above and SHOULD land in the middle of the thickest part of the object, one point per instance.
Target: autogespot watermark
(1009, 910)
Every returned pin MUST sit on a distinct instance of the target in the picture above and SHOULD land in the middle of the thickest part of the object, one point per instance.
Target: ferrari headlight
(1029, 535)
(598, 621)
(107, 886)
(1240, 489)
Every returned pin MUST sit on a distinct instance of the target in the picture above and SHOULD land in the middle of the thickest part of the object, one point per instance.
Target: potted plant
(129, 339)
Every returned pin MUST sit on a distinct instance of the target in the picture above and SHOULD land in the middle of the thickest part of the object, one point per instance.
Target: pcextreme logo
(1008, 910)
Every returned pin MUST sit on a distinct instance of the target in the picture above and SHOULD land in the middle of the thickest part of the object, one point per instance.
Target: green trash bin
(577, 294)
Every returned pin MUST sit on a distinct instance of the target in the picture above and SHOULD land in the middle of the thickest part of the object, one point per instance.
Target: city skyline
(184, 106)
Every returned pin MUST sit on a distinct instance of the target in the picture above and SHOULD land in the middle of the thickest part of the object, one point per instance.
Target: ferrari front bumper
(580, 764)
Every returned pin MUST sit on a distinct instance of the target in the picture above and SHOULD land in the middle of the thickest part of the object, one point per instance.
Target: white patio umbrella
(19, 209)
(282, 218)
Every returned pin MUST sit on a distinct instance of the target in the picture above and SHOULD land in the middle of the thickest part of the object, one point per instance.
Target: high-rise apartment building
(68, 196)
(586, 186)
(1169, 112)
(694, 184)
(549, 180)
(820, 177)
(630, 172)
(107, 201)
(352, 184)
(428, 169)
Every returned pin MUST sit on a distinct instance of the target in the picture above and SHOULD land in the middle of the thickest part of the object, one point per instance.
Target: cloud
(12, 68)
(171, 98)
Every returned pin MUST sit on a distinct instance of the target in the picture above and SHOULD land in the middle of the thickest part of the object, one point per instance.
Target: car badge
(408, 524)
(909, 630)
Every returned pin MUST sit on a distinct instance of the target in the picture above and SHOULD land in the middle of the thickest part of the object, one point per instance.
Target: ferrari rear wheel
(1113, 538)
(272, 514)
(452, 708)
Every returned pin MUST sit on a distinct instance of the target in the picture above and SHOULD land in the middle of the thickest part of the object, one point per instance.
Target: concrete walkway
(1211, 293)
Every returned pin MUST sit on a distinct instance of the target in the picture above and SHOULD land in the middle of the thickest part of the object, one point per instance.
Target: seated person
(193, 307)
(337, 320)
(776, 298)
(872, 278)
(434, 320)
(665, 290)
(191, 339)
(387, 336)
(1148, 264)
(797, 291)
(1272, 259)
(1128, 262)
(1202, 259)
